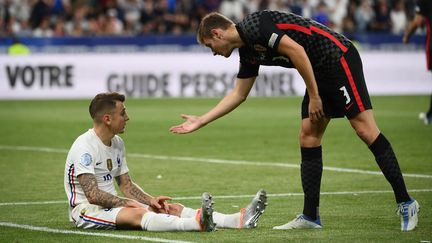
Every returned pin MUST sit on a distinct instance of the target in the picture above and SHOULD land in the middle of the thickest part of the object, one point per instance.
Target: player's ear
(216, 33)
(106, 119)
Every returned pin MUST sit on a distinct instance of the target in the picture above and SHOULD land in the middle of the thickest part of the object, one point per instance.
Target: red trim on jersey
(73, 185)
(352, 84)
(428, 39)
(309, 30)
(294, 27)
(100, 220)
(328, 35)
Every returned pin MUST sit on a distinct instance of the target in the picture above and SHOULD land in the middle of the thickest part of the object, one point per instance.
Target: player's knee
(367, 135)
(130, 218)
(309, 140)
(138, 215)
(175, 209)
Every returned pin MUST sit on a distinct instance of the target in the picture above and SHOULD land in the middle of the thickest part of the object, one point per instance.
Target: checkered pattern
(387, 161)
(311, 172)
(322, 51)
(389, 166)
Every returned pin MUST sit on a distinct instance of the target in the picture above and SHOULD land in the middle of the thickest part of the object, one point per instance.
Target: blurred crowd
(57, 18)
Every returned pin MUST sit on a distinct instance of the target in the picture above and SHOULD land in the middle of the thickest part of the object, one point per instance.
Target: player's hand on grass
(316, 111)
(191, 124)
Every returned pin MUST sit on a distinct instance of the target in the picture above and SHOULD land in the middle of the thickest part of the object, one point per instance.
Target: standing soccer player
(423, 17)
(335, 87)
(98, 156)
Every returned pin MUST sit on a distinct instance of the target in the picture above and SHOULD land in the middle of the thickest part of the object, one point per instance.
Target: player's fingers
(157, 205)
(166, 207)
(177, 129)
(164, 198)
(322, 114)
(312, 117)
(184, 116)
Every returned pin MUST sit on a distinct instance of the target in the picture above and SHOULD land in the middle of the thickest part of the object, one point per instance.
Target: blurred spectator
(113, 26)
(60, 7)
(296, 6)
(309, 7)
(410, 8)
(398, 18)
(132, 14)
(321, 15)
(337, 12)
(77, 25)
(143, 17)
(12, 25)
(147, 17)
(95, 28)
(233, 9)
(59, 27)
(39, 12)
(280, 5)
(44, 29)
(364, 15)
(381, 21)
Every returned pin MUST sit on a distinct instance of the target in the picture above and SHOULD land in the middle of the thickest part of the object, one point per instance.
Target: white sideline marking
(216, 161)
(76, 232)
(230, 196)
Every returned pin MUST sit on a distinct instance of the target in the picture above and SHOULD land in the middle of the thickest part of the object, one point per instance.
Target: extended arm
(133, 191)
(226, 105)
(418, 20)
(299, 58)
(98, 197)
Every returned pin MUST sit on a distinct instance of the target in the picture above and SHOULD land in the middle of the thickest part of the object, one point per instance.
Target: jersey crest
(109, 164)
(260, 48)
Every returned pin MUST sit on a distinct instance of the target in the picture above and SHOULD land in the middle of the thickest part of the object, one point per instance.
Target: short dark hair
(104, 103)
(212, 21)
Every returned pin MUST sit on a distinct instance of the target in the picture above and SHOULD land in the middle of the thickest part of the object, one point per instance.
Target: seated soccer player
(97, 157)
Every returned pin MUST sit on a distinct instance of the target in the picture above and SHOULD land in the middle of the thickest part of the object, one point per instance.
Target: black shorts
(343, 91)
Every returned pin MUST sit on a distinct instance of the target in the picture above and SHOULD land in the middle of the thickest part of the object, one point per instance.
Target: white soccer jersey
(89, 155)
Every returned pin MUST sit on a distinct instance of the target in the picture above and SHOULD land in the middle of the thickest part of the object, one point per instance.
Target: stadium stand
(134, 25)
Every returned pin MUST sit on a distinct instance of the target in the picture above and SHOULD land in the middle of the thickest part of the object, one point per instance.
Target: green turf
(262, 130)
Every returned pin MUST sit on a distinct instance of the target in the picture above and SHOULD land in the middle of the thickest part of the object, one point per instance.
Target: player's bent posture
(335, 87)
(423, 17)
(97, 158)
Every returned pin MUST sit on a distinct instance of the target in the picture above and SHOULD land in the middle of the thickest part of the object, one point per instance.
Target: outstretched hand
(191, 124)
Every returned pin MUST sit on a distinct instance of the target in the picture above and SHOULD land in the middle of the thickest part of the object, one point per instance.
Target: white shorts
(90, 216)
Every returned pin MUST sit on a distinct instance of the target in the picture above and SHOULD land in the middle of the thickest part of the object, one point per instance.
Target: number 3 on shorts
(345, 93)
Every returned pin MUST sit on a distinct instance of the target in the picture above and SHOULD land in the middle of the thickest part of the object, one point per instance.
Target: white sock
(221, 220)
(164, 222)
(188, 213)
(226, 220)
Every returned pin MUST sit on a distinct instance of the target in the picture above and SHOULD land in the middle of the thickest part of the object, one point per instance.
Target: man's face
(218, 44)
(119, 118)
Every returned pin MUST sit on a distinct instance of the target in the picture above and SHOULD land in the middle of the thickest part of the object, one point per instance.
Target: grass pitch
(255, 147)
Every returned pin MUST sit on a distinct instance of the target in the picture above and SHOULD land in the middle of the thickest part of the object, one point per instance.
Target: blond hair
(211, 21)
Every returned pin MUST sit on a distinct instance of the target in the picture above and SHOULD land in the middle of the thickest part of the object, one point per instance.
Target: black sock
(311, 172)
(389, 166)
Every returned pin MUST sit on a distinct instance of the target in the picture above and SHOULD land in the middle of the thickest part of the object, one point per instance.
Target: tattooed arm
(98, 197)
(133, 191)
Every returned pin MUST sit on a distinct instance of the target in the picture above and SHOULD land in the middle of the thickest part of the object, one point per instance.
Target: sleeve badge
(86, 159)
